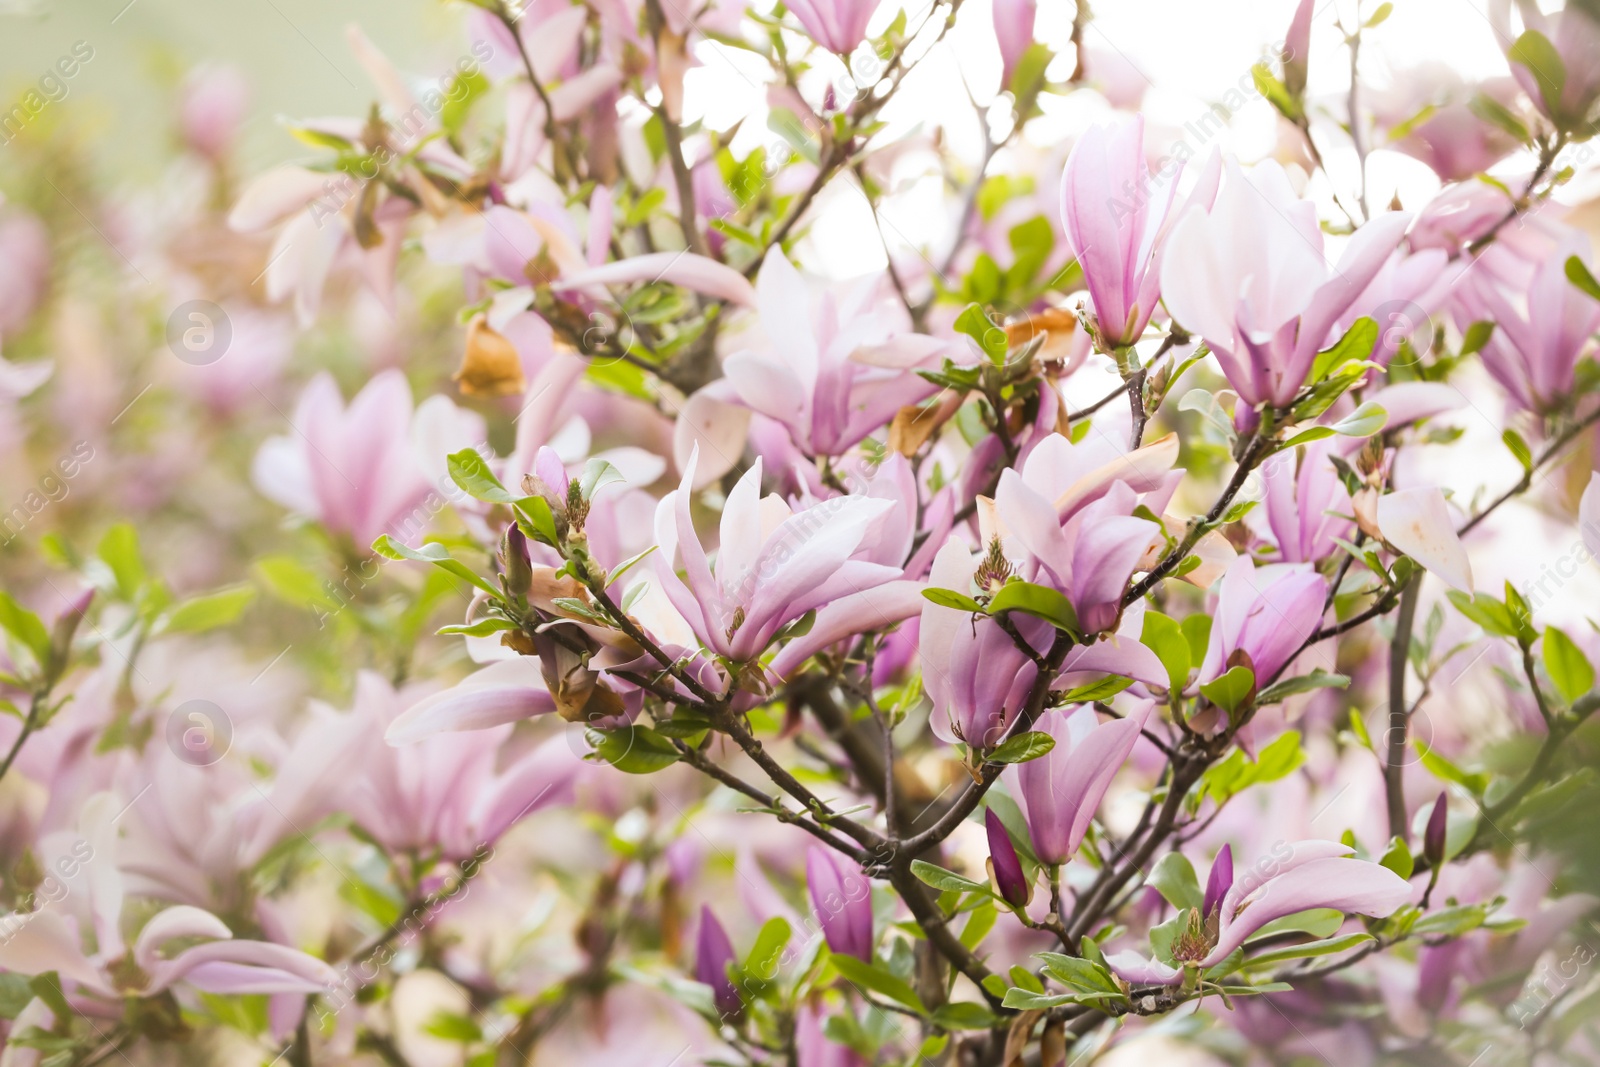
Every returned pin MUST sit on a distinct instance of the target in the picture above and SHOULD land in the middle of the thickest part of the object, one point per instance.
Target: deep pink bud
(712, 954)
(1433, 837)
(1004, 864)
(841, 899)
(1221, 880)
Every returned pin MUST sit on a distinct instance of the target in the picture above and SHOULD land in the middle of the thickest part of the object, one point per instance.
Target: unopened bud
(1433, 838)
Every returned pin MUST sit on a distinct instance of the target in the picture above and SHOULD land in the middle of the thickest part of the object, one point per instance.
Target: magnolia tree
(1063, 643)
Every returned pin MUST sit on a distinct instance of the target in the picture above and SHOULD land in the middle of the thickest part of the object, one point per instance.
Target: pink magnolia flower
(1089, 554)
(1565, 96)
(840, 363)
(841, 901)
(712, 954)
(1013, 29)
(1060, 791)
(350, 468)
(1265, 612)
(1117, 225)
(1313, 874)
(214, 102)
(1418, 522)
(1451, 139)
(772, 565)
(1541, 330)
(1305, 500)
(447, 794)
(837, 25)
(49, 939)
(1249, 276)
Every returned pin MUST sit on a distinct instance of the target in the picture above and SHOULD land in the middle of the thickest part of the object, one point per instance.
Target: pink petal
(700, 273)
(1418, 523)
(503, 692)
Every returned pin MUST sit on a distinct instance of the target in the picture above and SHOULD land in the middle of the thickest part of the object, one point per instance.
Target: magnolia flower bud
(1005, 867)
(1433, 837)
(712, 954)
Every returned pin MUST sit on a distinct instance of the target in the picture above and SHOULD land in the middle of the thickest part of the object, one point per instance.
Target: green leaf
(1568, 667)
(1305, 437)
(435, 554)
(1022, 748)
(1478, 335)
(1357, 343)
(633, 749)
(1364, 421)
(1383, 11)
(1318, 922)
(1031, 244)
(1232, 690)
(761, 965)
(1518, 448)
(949, 598)
(1024, 979)
(1276, 93)
(944, 880)
(481, 628)
(1327, 947)
(119, 550)
(1578, 274)
(294, 583)
(1442, 768)
(1197, 631)
(964, 1015)
(1174, 878)
(1039, 601)
(1305, 683)
(1104, 689)
(1079, 975)
(1495, 113)
(1534, 52)
(1491, 614)
(1027, 1000)
(879, 980)
(989, 337)
(1398, 858)
(471, 472)
(26, 627)
(448, 1026)
(208, 612)
(1237, 773)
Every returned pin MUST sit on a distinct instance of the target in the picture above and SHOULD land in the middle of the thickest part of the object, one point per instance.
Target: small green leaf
(1442, 768)
(989, 337)
(481, 628)
(471, 472)
(208, 612)
(964, 1015)
(1232, 691)
(1478, 335)
(633, 749)
(1364, 421)
(435, 554)
(1027, 1000)
(1079, 975)
(1039, 601)
(1104, 689)
(1163, 636)
(1357, 343)
(949, 598)
(1398, 858)
(1022, 748)
(944, 880)
(1535, 54)
(1317, 679)
(1327, 947)
(1568, 667)
(26, 627)
(1578, 274)
(878, 980)
(1174, 878)
(1519, 448)
(766, 954)
(119, 550)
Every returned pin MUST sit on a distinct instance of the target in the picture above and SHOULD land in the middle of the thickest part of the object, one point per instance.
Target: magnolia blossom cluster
(542, 616)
